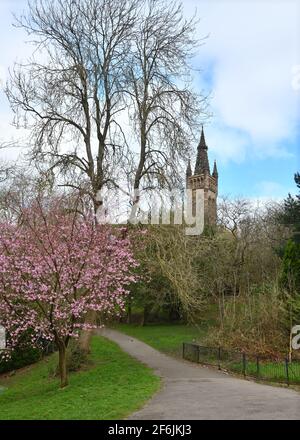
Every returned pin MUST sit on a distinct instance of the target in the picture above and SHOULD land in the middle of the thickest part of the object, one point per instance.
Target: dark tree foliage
(291, 215)
(291, 266)
(291, 257)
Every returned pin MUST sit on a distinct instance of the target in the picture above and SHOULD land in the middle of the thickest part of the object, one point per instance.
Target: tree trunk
(84, 341)
(63, 365)
(291, 334)
(145, 316)
(85, 336)
(129, 312)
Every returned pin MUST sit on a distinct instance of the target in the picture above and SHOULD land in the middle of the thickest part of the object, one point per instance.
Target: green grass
(111, 387)
(167, 338)
(270, 371)
(232, 361)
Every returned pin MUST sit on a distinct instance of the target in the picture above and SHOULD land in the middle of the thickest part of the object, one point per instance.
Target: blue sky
(247, 64)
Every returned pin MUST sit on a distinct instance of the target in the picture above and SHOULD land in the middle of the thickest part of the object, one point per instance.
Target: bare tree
(21, 187)
(166, 110)
(72, 98)
(232, 213)
(97, 61)
(167, 258)
(6, 168)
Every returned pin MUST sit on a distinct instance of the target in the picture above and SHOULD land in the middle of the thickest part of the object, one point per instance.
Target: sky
(250, 65)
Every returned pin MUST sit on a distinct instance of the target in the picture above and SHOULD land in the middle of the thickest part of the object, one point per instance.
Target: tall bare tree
(71, 95)
(166, 109)
(5, 167)
(94, 61)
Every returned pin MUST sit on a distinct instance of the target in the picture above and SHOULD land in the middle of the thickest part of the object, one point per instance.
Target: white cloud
(226, 144)
(253, 46)
(13, 40)
(269, 188)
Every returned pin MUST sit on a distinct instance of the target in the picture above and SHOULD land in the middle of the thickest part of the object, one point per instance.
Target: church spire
(202, 164)
(202, 140)
(215, 173)
(189, 169)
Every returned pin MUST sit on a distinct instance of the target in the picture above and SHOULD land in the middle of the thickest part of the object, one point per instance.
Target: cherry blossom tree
(55, 268)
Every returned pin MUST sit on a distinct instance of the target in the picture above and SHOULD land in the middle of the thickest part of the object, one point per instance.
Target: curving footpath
(193, 392)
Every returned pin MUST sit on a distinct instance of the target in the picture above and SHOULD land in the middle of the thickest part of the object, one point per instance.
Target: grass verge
(112, 386)
(167, 338)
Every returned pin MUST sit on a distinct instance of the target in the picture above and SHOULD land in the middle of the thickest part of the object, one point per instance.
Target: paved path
(192, 392)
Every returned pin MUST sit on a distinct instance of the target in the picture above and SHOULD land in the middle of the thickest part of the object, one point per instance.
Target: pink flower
(55, 268)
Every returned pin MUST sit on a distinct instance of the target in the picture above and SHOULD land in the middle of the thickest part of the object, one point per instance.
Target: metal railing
(259, 367)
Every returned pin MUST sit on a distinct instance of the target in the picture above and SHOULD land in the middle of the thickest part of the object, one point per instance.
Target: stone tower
(203, 179)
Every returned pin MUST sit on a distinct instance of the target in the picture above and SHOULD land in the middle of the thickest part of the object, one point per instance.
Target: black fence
(259, 367)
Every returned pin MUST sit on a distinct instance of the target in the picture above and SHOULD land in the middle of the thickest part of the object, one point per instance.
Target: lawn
(111, 387)
(272, 371)
(167, 338)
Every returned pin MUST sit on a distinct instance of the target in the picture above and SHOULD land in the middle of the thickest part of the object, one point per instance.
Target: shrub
(76, 357)
(254, 322)
(21, 357)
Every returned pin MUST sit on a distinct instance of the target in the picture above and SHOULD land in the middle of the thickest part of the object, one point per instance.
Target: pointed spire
(202, 164)
(215, 171)
(189, 169)
(202, 140)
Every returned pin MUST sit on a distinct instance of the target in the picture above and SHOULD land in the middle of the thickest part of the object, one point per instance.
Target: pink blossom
(55, 268)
